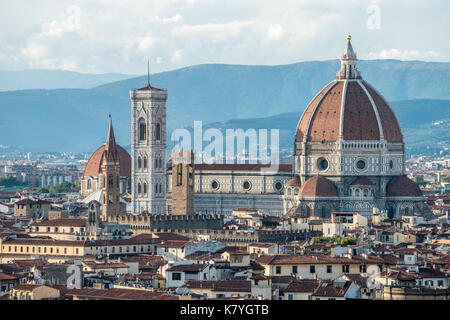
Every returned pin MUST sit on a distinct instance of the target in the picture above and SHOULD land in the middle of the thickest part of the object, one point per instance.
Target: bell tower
(148, 149)
(111, 177)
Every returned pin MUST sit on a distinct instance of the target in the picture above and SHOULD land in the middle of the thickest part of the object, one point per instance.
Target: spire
(111, 154)
(348, 63)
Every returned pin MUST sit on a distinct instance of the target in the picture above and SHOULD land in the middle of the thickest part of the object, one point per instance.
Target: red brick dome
(353, 109)
(93, 166)
(362, 181)
(401, 186)
(348, 107)
(293, 182)
(318, 186)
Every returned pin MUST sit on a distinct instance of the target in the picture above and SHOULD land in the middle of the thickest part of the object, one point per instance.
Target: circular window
(361, 164)
(214, 185)
(246, 185)
(322, 164)
(278, 186)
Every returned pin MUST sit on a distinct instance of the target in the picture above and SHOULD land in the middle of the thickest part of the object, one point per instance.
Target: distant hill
(55, 79)
(76, 119)
(425, 123)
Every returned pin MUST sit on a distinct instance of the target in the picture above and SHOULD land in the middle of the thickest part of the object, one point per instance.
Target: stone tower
(93, 221)
(182, 182)
(111, 177)
(148, 149)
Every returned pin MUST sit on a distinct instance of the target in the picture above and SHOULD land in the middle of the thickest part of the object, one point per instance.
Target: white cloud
(105, 35)
(403, 54)
(275, 32)
(176, 18)
(177, 56)
(213, 32)
(35, 51)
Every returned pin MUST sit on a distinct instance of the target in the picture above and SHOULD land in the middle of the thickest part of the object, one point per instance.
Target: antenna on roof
(148, 72)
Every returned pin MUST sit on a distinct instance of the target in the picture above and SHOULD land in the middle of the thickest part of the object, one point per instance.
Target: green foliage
(343, 241)
(64, 187)
(11, 182)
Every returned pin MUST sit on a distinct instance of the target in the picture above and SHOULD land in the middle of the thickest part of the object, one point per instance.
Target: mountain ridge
(76, 119)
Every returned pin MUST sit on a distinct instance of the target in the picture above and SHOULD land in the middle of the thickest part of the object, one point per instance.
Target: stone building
(349, 153)
(220, 188)
(148, 149)
(36, 209)
(182, 183)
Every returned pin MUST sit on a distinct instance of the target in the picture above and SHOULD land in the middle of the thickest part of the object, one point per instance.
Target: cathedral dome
(318, 186)
(348, 108)
(93, 166)
(401, 186)
(293, 182)
(362, 181)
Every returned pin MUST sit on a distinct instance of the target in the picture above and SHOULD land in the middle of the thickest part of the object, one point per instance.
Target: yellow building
(319, 266)
(34, 292)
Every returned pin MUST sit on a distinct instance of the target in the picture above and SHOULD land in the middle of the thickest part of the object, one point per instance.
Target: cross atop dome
(348, 63)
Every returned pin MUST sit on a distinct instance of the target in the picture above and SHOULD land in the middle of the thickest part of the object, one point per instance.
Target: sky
(100, 36)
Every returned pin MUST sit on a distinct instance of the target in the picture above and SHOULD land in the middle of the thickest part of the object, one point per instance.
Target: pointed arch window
(145, 188)
(145, 162)
(139, 188)
(142, 129)
(89, 184)
(139, 162)
(158, 131)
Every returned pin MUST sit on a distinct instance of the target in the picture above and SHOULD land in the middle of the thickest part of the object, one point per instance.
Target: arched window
(160, 162)
(156, 188)
(145, 162)
(139, 162)
(89, 184)
(142, 129)
(145, 188)
(139, 188)
(110, 181)
(158, 131)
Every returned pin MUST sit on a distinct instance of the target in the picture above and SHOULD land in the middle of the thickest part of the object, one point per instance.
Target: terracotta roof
(31, 201)
(329, 288)
(93, 166)
(401, 186)
(121, 294)
(64, 222)
(318, 186)
(188, 267)
(294, 181)
(5, 276)
(362, 181)
(303, 285)
(321, 119)
(149, 87)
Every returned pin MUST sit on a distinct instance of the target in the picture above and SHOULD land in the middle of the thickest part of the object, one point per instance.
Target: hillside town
(348, 218)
